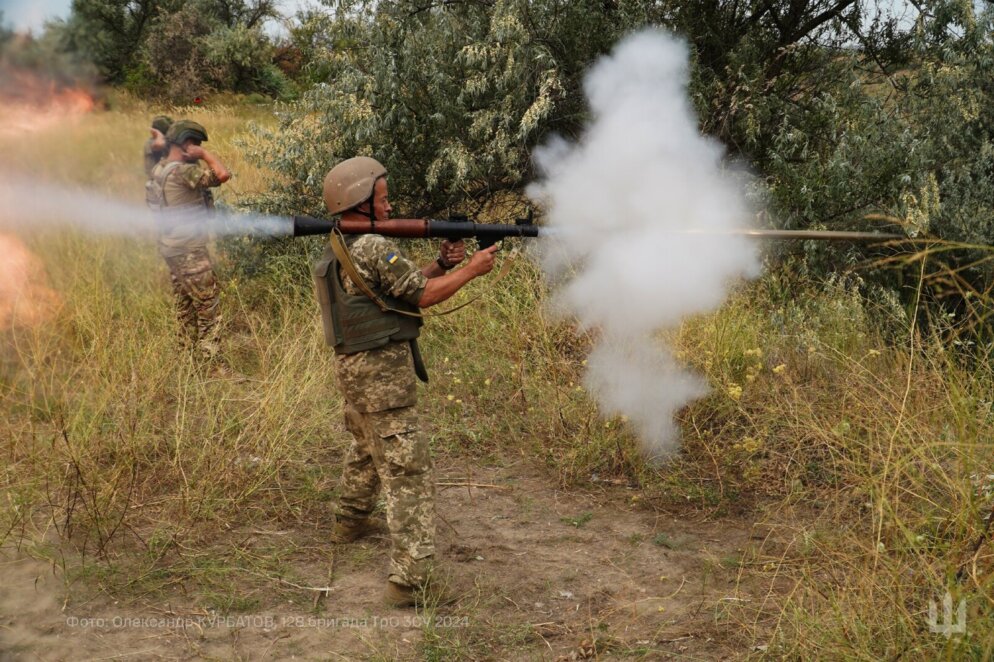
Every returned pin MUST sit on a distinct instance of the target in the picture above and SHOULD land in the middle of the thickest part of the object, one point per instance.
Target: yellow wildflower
(779, 370)
(750, 444)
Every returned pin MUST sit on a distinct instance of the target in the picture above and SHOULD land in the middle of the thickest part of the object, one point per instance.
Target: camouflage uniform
(388, 448)
(152, 156)
(183, 236)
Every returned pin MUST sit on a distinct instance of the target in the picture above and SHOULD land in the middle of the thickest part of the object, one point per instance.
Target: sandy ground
(541, 573)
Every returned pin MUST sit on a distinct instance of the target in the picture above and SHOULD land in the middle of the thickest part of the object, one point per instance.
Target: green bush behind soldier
(376, 355)
(178, 191)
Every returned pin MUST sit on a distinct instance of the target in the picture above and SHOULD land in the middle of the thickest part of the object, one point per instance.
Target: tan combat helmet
(350, 183)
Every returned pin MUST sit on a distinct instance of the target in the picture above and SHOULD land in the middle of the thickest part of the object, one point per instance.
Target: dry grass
(102, 151)
(866, 467)
(860, 461)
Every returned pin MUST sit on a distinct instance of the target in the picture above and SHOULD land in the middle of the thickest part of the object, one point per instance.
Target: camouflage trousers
(388, 450)
(197, 295)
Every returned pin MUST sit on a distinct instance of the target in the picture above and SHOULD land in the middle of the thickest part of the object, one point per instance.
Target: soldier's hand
(195, 152)
(482, 261)
(453, 252)
(158, 140)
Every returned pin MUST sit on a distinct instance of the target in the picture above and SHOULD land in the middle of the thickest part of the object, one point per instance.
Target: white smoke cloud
(641, 206)
(31, 205)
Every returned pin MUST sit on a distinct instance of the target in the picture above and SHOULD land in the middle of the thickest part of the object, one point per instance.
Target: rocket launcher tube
(306, 226)
(486, 234)
(415, 228)
(490, 233)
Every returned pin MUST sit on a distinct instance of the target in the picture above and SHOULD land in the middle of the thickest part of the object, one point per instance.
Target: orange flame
(30, 103)
(25, 297)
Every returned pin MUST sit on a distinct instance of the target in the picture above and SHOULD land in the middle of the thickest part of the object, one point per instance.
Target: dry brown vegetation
(834, 482)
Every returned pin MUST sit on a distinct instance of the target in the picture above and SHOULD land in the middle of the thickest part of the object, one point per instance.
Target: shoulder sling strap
(348, 266)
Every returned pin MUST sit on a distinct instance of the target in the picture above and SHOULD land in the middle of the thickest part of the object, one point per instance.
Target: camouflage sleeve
(197, 176)
(151, 158)
(384, 268)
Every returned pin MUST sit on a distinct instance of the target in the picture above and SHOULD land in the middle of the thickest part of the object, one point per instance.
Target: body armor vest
(155, 190)
(181, 226)
(354, 323)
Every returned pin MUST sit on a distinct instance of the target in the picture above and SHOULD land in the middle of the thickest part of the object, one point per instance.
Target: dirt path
(542, 574)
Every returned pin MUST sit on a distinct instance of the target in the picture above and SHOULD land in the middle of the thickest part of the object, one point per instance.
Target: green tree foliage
(244, 57)
(194, 51)
(239, 13)
(110, 33)
(506, 74)
(302, 55)
(42, 58)
(452, 98)
(840, 108)
(177, 58)
(177, 49)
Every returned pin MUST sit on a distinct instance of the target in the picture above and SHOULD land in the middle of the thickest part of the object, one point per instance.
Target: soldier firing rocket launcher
(487, 234)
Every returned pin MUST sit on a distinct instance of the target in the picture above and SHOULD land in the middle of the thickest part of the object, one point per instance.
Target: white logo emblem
(948, 626)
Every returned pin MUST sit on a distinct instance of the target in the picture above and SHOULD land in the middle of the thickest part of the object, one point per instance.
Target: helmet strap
(371, 214)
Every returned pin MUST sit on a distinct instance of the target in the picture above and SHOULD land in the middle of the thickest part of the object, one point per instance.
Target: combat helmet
(162, 123)
(350, 183)
(183, 129)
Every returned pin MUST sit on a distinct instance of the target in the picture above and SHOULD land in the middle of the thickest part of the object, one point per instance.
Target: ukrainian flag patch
(391, 258)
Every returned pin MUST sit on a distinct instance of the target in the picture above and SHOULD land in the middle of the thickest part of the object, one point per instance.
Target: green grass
(831, 421)
(577, 521)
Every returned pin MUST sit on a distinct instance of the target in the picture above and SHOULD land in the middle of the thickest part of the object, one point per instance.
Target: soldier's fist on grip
(452, 252)
(482, 261)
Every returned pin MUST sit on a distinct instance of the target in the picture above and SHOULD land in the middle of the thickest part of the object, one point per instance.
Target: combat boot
(349, 530)
(400, 596)
(435, 594)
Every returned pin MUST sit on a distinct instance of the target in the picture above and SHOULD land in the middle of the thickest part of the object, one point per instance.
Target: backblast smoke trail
(624, 197)
(25, 207)
(31, 206)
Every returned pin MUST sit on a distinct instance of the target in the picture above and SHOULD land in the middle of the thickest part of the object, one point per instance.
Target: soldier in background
(376, 363)
(155, 146)
(179, 193)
